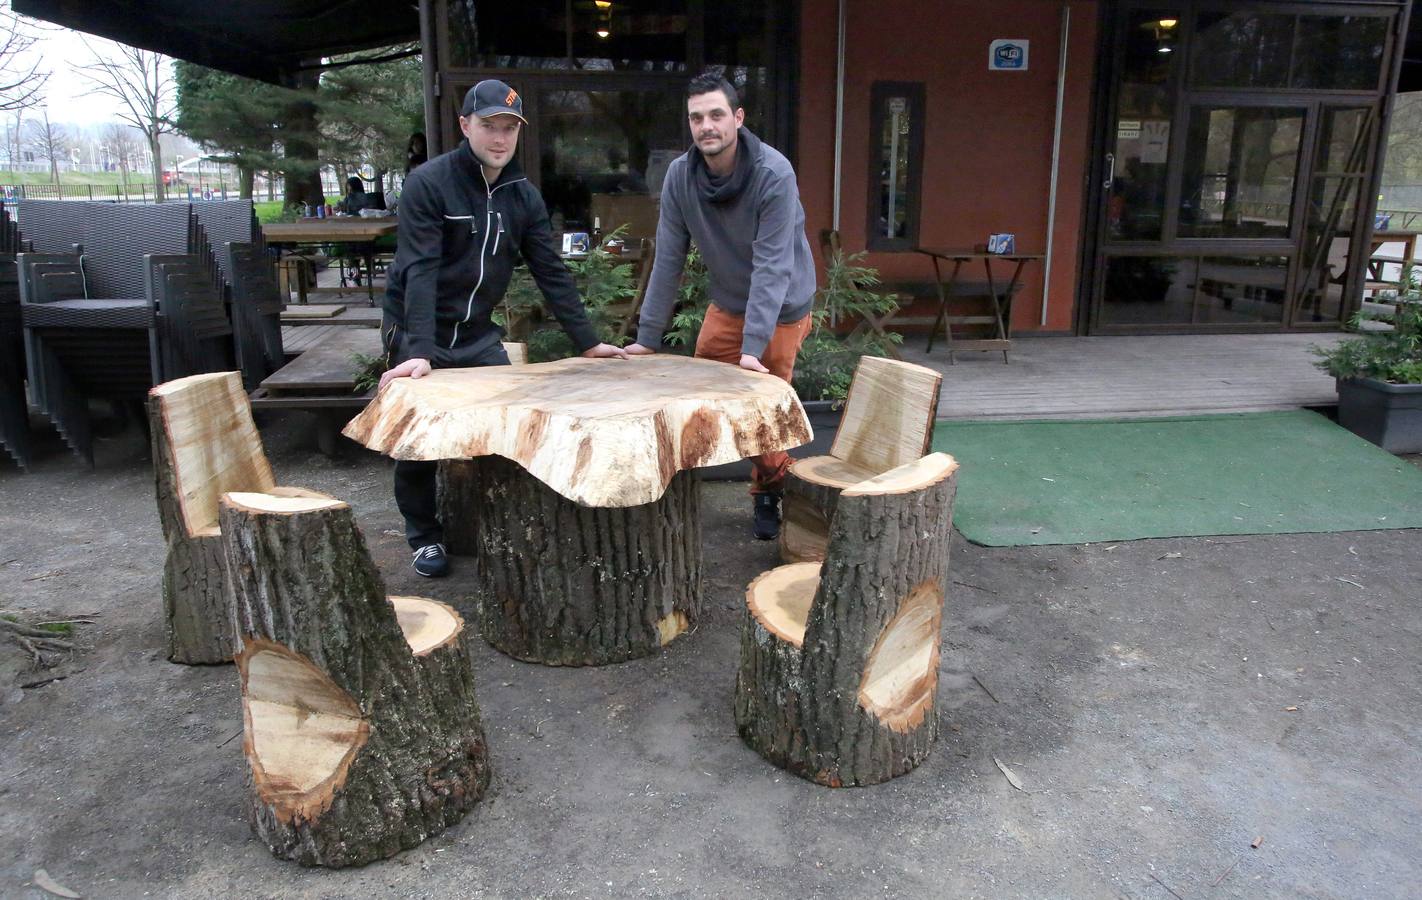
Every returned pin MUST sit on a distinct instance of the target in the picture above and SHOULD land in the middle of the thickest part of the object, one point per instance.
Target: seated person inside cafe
(465, 217)
(737, 198)
(356, 197)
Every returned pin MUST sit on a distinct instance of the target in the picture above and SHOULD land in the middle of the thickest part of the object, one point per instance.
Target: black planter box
(824, 418)
(1389, 415)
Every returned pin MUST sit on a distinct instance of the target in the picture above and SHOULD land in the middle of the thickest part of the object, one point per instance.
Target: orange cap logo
(512, 96)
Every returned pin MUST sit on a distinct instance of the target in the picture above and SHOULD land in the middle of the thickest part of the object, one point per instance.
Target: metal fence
(116, 193)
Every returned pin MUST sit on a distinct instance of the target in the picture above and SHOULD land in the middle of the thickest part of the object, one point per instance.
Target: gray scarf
(726, 189)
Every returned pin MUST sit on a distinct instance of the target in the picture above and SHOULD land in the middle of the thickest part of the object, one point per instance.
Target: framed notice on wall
(1008, 55)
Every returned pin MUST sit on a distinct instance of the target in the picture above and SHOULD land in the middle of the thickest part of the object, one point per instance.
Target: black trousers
(415, 483)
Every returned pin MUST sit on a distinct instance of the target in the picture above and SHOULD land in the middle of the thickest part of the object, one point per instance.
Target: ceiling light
(602, 4)
(1162, 49)
(1169, 23)
(602, 33)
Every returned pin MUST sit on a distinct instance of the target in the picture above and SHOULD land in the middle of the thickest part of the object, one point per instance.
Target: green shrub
(1394, 356)
(826, 362)
(603, 280)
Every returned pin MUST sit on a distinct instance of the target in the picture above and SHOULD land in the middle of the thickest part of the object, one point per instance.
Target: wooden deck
(1157, 375)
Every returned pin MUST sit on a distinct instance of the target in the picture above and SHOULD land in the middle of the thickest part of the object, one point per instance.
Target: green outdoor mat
(1025, 483)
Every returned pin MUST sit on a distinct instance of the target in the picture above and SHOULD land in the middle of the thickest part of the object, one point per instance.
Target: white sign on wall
(1007, 55)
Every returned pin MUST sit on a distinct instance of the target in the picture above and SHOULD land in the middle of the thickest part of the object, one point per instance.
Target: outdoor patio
(1107, 377)
(1227, 717)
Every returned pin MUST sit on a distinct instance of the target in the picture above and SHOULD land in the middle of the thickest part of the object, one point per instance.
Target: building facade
(1185, 166)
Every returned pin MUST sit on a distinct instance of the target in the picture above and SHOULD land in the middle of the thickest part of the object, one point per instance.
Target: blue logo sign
(1007, 55)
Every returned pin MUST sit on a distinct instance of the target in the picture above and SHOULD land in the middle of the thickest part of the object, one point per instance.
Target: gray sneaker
(431, 562)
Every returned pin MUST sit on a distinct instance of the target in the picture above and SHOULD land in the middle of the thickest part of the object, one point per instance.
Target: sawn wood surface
(601, 432)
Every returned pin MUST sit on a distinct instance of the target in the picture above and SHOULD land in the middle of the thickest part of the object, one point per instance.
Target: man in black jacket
(465, 217)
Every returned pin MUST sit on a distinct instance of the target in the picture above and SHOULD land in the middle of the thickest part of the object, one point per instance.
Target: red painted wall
(988, 143)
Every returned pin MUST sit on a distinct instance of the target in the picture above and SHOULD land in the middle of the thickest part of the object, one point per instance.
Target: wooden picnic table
(362, 231)
(1406, 237)
(1000, 302)
(577, 475)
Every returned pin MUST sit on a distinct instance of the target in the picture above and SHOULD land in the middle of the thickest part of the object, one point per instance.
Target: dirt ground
(1166, 705)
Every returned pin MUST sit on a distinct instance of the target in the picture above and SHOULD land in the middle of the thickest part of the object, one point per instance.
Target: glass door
(1238, 149)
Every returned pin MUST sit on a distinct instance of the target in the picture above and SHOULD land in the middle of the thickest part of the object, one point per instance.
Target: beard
(488, 162)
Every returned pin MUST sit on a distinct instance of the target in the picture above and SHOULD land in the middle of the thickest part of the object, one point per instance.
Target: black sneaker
(766, 524)
(431, 562)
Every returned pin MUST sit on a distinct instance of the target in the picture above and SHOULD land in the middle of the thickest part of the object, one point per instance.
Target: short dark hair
(707, 82)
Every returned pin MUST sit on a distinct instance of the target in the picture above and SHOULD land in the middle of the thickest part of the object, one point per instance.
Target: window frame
(879, 93)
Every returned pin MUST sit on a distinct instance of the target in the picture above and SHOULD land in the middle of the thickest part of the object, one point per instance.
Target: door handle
(1110, 170)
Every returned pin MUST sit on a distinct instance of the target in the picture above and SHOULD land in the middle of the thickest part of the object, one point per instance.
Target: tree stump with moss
(361, 727)
(839, 660)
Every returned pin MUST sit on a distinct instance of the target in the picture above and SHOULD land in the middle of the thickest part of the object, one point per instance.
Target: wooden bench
(322, 380)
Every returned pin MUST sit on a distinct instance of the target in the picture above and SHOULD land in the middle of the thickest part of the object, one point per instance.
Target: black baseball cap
(492, 97)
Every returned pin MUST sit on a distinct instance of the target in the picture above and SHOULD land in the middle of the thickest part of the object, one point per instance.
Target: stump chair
(361, 727)
(839, 660)
(204, 444)
(888, 421)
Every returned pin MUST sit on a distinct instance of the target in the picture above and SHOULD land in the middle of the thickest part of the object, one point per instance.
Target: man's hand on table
(605, 351)
(750, 362)
(410, 368)
(638, 350)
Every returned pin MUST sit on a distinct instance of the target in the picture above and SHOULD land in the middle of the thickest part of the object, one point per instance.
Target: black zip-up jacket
(458, 241)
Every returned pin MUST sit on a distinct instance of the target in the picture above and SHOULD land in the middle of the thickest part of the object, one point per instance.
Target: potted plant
(1379, 375)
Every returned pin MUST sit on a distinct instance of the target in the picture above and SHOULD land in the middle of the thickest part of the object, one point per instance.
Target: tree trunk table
(571, 488)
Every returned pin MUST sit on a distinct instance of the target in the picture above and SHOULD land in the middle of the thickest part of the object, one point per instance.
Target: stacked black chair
(256, 310)
(91, 329)
(195, 335)
(14, 410)
(249, 284)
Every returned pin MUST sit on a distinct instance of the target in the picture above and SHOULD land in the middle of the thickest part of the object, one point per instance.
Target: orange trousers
(720, 340)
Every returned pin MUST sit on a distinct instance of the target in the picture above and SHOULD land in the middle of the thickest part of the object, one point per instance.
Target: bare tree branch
(51, 142)
(22, 80)
(141, 84)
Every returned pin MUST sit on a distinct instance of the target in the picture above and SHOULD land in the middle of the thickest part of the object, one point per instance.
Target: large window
(1244, 49)
(604, 83)
(895, 164)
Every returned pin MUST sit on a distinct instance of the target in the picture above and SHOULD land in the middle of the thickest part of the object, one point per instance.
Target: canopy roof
(266, 39)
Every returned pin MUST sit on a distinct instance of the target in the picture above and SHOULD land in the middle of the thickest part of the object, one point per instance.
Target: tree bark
(156, 155)
(853, 702)
(197, 597)
(395, 730)
(245, 177)
(570, 585)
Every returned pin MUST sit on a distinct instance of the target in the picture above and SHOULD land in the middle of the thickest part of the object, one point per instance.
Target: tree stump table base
(570, 585)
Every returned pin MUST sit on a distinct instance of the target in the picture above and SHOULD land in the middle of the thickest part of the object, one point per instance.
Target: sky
(60, 50)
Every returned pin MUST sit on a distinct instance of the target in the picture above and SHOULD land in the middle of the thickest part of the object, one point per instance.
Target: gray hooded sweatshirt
(754, 247)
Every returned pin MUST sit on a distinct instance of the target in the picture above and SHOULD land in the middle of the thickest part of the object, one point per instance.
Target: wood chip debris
(1291, 709)
(1012, 778)
(42, 881)
(1348, 581)
(1174, 554)
(1256, 842)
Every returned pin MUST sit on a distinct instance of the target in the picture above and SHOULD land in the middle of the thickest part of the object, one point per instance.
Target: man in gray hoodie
(736, 197)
